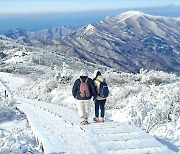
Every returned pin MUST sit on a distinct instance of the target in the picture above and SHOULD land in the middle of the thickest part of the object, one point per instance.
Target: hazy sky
(42, 6)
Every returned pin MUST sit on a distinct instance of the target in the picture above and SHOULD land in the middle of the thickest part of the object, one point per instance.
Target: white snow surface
(11, 81)
(50, 143)
(89, 29)
(128, 14)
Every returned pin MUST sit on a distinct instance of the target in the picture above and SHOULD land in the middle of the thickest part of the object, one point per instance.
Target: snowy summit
(129, 14)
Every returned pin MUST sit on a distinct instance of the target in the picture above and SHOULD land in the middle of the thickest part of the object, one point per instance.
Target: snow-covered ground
(149, 100)
(15, 133)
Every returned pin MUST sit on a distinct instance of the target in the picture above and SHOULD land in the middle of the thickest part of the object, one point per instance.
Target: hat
(96, 73)
(83, 73)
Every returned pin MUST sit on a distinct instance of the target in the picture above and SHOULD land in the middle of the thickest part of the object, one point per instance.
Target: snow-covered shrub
(65, 80)
(39, 89)
(118, 79)
(156, 81)
(6, 109)
(48, 86)
(2, 55)
(150, 77)
(152, 102)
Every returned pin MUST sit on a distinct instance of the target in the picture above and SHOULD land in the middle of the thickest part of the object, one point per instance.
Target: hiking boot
(84, 122)
(101, 119)
(95, 119)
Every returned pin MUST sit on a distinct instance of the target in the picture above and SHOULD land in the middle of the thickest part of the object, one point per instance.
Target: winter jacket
(76, 88)
(97, 82)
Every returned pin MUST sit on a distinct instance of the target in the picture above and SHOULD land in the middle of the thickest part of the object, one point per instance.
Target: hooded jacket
(97, 82)
(76, 88)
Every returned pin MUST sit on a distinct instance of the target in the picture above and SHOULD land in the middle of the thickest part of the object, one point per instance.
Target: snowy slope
(12, 81)
(61, 132)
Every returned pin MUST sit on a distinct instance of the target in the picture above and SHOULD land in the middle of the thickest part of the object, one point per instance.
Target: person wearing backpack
(83, 90)
(102, 94)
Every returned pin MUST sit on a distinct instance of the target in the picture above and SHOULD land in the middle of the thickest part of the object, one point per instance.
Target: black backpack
(103, 90)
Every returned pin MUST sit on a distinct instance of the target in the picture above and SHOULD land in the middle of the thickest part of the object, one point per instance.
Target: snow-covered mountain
(127, 42)
(16, 33)
(46, 36)
(19, 57)
(130, 41)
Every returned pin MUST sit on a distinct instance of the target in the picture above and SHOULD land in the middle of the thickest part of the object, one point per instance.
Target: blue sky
(48, 6)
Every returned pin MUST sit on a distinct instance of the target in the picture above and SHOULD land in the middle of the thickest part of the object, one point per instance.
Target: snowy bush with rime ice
(6, 109)
(41, 88)
(151, 100)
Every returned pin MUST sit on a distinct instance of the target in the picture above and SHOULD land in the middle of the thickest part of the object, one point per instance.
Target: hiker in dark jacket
(83, 96)
(99, 101)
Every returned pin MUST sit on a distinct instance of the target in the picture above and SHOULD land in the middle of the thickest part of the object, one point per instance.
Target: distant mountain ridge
(126, 42)
(44, 35)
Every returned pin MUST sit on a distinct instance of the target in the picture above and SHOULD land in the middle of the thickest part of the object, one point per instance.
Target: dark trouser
(99, 104)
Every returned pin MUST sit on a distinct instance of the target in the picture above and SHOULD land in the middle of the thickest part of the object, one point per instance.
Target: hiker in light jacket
(99, 101)
(83, 99)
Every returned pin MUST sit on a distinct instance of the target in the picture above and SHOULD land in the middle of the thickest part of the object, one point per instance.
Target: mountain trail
(52, 123)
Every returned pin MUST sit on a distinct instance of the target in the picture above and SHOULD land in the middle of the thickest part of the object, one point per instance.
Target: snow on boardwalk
(59, 131)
